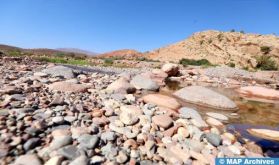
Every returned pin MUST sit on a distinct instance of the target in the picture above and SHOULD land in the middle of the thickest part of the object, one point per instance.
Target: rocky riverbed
(52, 114)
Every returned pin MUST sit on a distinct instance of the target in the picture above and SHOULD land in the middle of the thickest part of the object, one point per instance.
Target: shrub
(108, 61)
(242, 32)
(265, 49)
(186, 62)
(53, 60)
(232, 30)
(266, 63)
(201, 42)
(60, 54)
(141, 59)
(220, 36)
(14, 53)
(231, 64)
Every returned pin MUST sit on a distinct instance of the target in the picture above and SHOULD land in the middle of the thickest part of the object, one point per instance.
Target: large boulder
(260, 92)
(121, 86)
(265, 133)
(58, 71)
(158, 76)
(68, 87)
(144, 82)
(170, 69)
(162, 100)
(206, 97)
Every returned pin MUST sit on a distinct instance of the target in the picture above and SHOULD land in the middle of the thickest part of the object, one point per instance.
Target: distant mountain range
(46, 51)
(76, 50)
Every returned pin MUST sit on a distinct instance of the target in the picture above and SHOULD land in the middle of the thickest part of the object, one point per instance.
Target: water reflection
(250, 112)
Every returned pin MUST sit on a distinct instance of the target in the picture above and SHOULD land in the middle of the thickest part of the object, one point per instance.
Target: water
(251, 112)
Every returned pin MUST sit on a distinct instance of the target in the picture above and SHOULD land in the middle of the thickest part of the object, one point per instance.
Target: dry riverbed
(52, 114)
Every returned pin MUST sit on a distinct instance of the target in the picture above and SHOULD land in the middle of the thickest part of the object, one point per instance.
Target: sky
(106, 25)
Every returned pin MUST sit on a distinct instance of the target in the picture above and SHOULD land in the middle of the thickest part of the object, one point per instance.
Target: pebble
(214, 139)
(163, 121)
(88, 141)
(218, 116)
(73, 118)
(28, 159)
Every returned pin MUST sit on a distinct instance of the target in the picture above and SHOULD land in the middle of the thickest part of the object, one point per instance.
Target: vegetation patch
(265, 49)
(14, 53)
(266, 63)
(231, 64)
(108, 61)
(202, 62)
(63, 60)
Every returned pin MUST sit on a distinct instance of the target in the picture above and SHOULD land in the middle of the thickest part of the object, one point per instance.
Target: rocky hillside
(12, 50)
(123, 53)
(221, 48)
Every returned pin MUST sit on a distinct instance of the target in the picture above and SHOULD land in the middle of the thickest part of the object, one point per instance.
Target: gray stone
(214, 139)
(31, 143)
(142, 82)
(60, 71)
(60, 141)
(70, 152)
(108, 136)
(4, 112)
(81, 160)
(88, 141)
(207, 97)
(193, 114)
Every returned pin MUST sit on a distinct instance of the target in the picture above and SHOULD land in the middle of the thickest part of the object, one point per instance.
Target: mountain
(220, 48)
(41, 51)
(123, 53)
(79, 51)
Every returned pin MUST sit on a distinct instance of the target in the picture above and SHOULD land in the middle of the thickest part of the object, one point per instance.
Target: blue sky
(105, 25)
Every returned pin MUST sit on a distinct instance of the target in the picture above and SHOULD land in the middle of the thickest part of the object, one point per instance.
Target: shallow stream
(251, 113)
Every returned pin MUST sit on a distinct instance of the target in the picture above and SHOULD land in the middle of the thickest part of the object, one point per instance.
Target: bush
(220, 36)
(232, 30)
(231, 64)
(64, 61)
(141, 59)
(60, 54)
(265, 49)
(266, 63)
(242, 32)
(14, 53)
(108, 61)
(186, 62)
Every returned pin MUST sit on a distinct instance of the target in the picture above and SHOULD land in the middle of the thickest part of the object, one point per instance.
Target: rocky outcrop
(220, 48)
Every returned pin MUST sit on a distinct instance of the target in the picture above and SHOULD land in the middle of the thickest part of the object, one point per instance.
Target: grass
(14, 53)
(61, 60)
(202, 62)
(266, 63)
